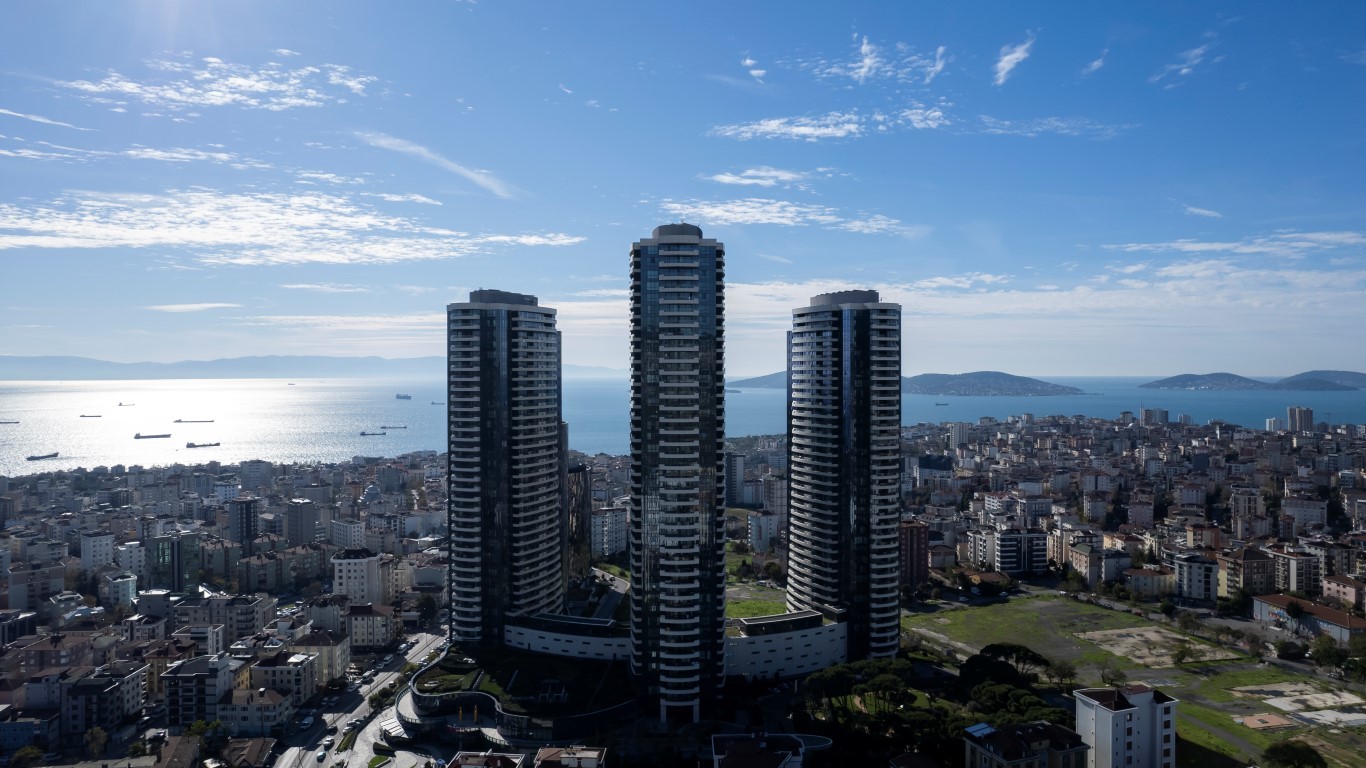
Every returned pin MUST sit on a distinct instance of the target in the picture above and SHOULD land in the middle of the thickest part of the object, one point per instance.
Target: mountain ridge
(974, 384)
(1309, 381)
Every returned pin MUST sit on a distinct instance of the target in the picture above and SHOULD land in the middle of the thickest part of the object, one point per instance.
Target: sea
(93, 423)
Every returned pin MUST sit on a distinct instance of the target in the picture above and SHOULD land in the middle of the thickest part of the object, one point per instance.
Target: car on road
(329, 741)
(322, 755)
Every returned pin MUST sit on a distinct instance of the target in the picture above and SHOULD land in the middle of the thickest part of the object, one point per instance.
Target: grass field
(1048, 624)
(745, 609)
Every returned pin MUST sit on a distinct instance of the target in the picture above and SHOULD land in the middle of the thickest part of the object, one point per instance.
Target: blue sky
(1047, 189)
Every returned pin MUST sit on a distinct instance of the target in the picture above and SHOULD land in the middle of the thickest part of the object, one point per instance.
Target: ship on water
(202, 445)
(390, 426)
(372, 434)
(193, 421)
(402, 396)
(140, 436)
(52, 455)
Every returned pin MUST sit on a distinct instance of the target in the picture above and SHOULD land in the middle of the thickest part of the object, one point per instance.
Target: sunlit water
(317, 420)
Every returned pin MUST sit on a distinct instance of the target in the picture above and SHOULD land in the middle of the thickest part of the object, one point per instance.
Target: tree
(1187, 621)
(1294, 610)
(1292, 754)
(1182, 653)
(96, 739)
(1060, 671)
(426, 608)
(1326, 652)
(137, 749)
(1111, 674)
(26, 756)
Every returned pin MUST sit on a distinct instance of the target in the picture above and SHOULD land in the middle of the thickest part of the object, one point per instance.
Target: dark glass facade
(677, 437)
(505, 464)
(844, 466)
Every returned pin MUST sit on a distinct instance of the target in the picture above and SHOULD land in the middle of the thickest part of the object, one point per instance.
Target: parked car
(322, 755)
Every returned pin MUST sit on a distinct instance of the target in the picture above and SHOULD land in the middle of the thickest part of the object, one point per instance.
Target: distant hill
(982, 383)
(976, 384)
(1311, 381)
(1345, 378)
(18, 368)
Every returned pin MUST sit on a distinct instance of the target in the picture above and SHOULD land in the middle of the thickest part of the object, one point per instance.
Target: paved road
(303, 747)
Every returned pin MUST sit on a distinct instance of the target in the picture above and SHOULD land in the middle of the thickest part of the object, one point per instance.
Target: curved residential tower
(844, 465)
(504, 466)
(678, 578)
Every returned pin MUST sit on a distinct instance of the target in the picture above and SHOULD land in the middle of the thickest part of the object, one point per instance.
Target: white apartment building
(1129, 727)
(348, 534)
(97, 549)
(1197, 577)
(363, 576)
(608, 531)
(293, 674)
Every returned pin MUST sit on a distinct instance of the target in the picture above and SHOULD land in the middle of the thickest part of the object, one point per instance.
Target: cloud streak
(1207, 213)
(191, 307)
(1011, 56)
(758, 210)
(42, 120)
(256, 228)
(480, 178)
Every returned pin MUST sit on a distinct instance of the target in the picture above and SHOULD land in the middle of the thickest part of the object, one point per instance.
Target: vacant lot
(1153, 646)
(1048, 624)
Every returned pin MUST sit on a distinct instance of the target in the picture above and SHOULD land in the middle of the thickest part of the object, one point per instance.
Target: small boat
(941, 403)
(403, 397)
(52, 455)
(89, 416)
(193, 421)
(290, 384)
(733, 390)
(9, 422)
(125, 405)
(202, 445)
(436, 403)
(140, 436)
(372, 434)
(386, 426)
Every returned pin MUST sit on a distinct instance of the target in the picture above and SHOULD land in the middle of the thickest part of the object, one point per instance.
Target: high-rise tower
(678, 577)
(504, 466)
(844, 465)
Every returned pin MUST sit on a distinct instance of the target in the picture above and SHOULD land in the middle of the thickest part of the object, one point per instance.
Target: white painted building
(785, 645)
(608, 531)
(1129, 727)
(97, 549)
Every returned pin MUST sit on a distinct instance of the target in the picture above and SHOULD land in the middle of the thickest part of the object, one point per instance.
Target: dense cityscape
(820, 597)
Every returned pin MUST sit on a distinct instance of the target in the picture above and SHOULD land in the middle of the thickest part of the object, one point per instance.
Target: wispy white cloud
(1011, 57)
(52, 151)
(329, 178)
(842, 125)
(1095, 64)
(872, 62)
(758, 210)
(763, 176)
(834, 125)
(255, 228)
(1355, 57)
(181, 84)
(326, 287)
(285, 52)
(1292, 245)
(566, 90)
(775, 258)
(481, 178)
(752, 67)
(191, 307)
(409, 198)
(1193, 211)
(1062, 126)
(179, 155)
(1186, 63)
(41, 119)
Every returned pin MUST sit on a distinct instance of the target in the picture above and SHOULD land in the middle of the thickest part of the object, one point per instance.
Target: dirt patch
(1152, 646)
(1308, 701)
(1268, 722)
(1272, 690)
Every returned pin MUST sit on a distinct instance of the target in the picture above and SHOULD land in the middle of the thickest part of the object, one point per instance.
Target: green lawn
(1047, 624)
(1217, 687)
(746, 609)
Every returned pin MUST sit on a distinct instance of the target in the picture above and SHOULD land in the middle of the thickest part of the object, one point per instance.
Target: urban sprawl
(1044, 590)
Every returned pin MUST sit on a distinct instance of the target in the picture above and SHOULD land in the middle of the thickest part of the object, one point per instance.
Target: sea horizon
(321, 420)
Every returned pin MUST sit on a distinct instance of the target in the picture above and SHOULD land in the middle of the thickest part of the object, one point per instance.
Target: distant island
(59, 368)
(1309, 381)
(975, 384)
